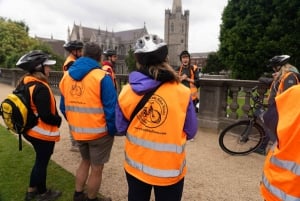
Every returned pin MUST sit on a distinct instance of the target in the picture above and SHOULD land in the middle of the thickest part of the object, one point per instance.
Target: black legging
(43, 150)
(140, 191)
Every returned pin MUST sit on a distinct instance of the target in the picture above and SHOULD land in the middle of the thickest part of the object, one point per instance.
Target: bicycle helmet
(150, 50)
(278, 61)
(184, 53)
(33, 60)
(110, 52)
(73, 45)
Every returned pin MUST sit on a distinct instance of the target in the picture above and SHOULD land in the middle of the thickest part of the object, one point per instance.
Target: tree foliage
(213, 64)
(130, 61)
(15, 42)
(253, 31)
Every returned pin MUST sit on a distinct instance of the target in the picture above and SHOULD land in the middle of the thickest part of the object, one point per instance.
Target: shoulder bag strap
(142, 102)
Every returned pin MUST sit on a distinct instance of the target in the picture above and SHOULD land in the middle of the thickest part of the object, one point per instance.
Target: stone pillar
(213, 102)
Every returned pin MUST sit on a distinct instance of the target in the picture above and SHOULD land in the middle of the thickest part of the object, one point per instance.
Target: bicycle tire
(231, 142)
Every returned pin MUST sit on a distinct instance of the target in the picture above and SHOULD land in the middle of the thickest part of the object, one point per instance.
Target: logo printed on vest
(154, 113)
(76, 89)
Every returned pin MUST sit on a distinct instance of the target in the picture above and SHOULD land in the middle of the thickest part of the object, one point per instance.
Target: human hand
(183, 77)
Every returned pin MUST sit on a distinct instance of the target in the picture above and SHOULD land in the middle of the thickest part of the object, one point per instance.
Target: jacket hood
(142, 83)
(81, 67)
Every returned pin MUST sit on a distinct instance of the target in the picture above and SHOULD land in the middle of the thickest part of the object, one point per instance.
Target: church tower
(176, 31)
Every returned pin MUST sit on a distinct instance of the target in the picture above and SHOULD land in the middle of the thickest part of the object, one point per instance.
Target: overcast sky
(46, 17)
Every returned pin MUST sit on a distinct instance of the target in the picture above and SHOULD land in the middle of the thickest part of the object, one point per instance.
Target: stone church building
(176, 31)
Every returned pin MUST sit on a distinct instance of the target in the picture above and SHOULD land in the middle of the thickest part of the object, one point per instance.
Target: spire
(176, 6)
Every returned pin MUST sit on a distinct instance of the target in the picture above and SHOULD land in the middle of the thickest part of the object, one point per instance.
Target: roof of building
(122, 35)
(55, 44)
(200, 54)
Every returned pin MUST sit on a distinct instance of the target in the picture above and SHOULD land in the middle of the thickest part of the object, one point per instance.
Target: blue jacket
(77, 71)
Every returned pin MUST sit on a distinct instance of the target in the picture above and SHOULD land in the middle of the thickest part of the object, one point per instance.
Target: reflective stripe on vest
(87, 130)
(288, 165)
(155, 146)
(85, 110)
(45, 132)
(277, 192)
(153, 171)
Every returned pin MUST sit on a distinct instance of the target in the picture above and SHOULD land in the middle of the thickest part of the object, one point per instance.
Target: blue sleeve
(109, 100)
(62, 107)
(191, 122)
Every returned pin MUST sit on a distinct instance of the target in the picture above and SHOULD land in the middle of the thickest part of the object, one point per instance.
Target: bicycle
(245, 136)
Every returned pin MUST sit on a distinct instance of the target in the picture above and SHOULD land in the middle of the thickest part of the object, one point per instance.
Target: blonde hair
(155, 70)
(288, 68)
(38, 75)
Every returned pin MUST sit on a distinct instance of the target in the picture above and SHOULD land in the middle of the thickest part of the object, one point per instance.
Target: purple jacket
(141, 84)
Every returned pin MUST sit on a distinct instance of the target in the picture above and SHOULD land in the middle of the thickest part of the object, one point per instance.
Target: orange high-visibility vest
(84, 108)
(281, 85)
(42, 130)
(281, 175)
(194, 90)
(70, 58)
(155, 140)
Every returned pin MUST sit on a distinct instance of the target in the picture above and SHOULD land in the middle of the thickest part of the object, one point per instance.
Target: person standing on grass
(44, 135)
(89, 99)
(156, 137)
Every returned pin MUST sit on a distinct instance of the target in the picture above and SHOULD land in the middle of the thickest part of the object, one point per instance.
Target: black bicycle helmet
(110, 52)
(184, 53)
(150, 50)
(279, 60)
(33, 60)
(73, 45)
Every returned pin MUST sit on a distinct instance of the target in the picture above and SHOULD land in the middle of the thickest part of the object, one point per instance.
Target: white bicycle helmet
(150, 50)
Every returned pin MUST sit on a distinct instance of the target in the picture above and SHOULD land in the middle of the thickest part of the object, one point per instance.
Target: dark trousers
(43, 150)
(140, 191)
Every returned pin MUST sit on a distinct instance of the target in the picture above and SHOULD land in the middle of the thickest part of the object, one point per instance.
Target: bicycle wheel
(241, 138)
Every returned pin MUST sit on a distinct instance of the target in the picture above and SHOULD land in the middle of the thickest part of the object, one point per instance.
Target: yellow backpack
(16, 111)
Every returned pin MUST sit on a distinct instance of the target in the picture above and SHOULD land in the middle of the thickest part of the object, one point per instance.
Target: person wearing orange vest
(156, 136)
(189, 76)
(281, 176)
(285, 76)
(88, 101)
(109, 64)
(43, 135)
(74, 48)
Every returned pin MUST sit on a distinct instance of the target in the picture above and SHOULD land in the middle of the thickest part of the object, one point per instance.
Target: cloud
(51, 17)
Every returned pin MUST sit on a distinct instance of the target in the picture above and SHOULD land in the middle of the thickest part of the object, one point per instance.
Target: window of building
(172, 27)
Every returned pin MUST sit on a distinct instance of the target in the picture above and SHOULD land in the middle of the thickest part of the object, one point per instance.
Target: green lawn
(15, 168)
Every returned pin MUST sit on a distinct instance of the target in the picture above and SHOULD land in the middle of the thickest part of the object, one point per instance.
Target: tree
(15, 42)
(213, 64)
(130, 61)
(253, 31)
